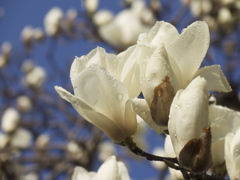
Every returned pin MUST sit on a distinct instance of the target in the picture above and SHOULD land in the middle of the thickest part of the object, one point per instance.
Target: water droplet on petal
(175, 135)
(143, 114)
(153, 72)
(194, 97)
(136, 108)
(188, 106)
(120, 96)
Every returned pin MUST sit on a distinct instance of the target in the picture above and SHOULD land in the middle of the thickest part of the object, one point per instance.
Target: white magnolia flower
(91, 6)
(223, 120)
(10, 120)
(36, 77)
(106, 149)
(21, 139)
(174, 63)
(188, 126)
(123, 66)
(124, 28)
(52, 21)
(232, 155)
(24, 103)
(103, 101)
(159, 151)
(169, 152)
(111, 169)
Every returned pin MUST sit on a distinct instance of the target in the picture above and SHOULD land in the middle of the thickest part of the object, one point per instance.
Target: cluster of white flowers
(165, 66)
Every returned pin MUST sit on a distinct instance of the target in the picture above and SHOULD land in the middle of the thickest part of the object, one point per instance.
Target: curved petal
(108, 126)
(128, 69)
(229, 156)
(141, 107)
(96, 56)
(161, 32)
(81, 173)
(130, 119)
(108, 170)
(123, 171)
(190, 48)
(223, 120)
(188, 114)
(153, 71)
(216, 81)
(103, 93)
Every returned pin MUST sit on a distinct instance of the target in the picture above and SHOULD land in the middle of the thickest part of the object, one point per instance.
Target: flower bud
(6, 49)
(102, 17)
(42, 142)
(24, 104)
(21, 139)
(196, 154)
(10, 120)
(26, 36)
(161, 103)
(38, 35)
(91, 6)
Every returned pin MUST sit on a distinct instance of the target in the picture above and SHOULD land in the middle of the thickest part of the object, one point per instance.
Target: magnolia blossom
(174, 63)
(232, 155)
(36, 77)
(223, 120)
(91, 6)
(21, 139)
(102, 100)
(169, 152)
(188, 126)
(53, 20)
(10, 120)
(123, 30)
(111, 169)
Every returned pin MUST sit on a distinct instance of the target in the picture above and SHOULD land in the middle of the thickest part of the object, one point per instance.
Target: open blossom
(188, 127)
(174, 63)
(103, 101)
(232, 155)
(123, 30)
(111, 169)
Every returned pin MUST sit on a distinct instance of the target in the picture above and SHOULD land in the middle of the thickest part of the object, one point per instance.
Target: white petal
(161, 32)
(154, 70)
(223, 120)
(128, 69)
(96, 56)
(108, 170)
(102, 92)
(188, 114)
(229, 156)
(123, 171)
(108, 126)
(216, 81)
(81, 173)
(141, 107)
(190, 48)
(130, 119)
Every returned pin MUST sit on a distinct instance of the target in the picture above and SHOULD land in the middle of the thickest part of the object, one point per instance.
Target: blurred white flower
(27, 66)
(111, 169)
(188, 126)
(10, 120)
(106, 149)
(224, 16)
(102, 17)
(91, 6)
(27, 36)
(159, 151)
(92, 87)
(38, 34)
(223, 120)
(3, 61)
(21, 139)
(30, 176)
(124, 29)
(169, 152)
(24, 103)
(6, 49)
(36, 77)
(52, 21)
(42, 141)
(139, 136)
(232, 155)
(4, 139)
(172, 66)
